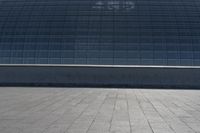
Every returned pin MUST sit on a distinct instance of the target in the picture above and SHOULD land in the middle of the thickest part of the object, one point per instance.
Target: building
(100, 32)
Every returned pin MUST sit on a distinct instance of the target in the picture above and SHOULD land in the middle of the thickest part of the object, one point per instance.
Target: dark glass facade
(119, 32)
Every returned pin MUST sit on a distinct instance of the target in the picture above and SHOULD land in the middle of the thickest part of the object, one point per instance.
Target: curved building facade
(100, 32)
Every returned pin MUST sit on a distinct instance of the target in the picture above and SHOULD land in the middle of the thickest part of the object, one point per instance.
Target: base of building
(100, 76)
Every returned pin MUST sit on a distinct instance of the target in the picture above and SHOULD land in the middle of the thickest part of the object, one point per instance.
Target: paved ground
(72, 110)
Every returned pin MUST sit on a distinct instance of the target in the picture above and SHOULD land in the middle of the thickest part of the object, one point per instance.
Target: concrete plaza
(98, 110)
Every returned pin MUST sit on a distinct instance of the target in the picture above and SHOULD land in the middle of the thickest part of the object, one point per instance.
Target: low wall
(100, 76)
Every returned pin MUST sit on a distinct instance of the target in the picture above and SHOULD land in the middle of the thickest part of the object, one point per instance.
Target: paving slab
(98, 110)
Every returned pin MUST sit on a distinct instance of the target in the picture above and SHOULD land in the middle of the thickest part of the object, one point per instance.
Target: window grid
(154, 32)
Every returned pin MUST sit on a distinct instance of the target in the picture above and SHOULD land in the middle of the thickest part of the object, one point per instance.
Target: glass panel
(128, 32)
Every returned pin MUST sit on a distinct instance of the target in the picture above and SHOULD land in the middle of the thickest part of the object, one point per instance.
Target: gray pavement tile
(84, 110)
